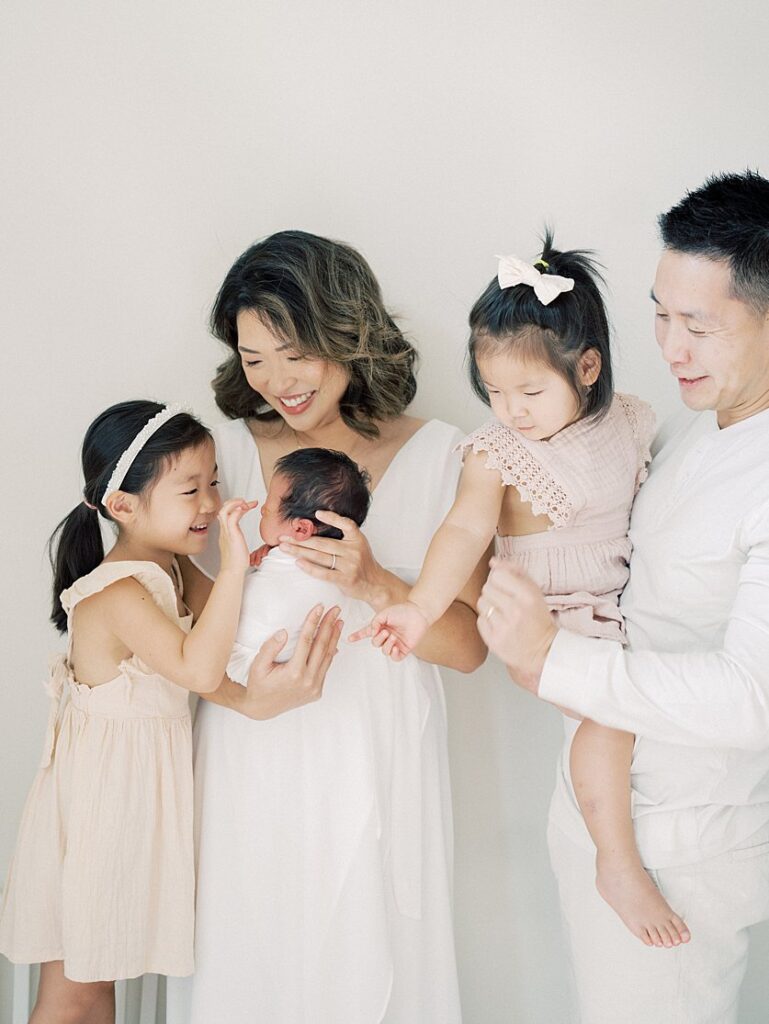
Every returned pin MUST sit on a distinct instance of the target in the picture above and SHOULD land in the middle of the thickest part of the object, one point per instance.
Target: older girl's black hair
(320, 478)
(75, 546)
(557, 334)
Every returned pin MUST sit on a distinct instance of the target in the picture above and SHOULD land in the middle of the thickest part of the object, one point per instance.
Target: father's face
(716, 345)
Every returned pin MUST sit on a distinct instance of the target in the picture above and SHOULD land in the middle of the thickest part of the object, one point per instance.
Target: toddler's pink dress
(103, 873)
(583, 479)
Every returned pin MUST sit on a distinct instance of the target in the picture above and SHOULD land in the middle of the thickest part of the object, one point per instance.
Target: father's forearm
(710, 699)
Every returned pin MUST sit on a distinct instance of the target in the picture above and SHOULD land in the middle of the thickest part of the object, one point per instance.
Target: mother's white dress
(325, 834)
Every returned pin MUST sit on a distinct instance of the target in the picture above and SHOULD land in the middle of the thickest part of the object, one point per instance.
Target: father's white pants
(616, 979)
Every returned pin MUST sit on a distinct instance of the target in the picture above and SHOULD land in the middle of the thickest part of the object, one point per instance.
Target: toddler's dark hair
(557, 334)
(320, 478)
(75, 546)
(727, 219)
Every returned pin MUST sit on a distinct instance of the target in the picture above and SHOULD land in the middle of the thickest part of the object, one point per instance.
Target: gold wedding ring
(333, 562)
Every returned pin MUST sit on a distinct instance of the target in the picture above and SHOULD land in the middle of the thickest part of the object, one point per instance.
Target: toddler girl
(101, 885)
(552, 480)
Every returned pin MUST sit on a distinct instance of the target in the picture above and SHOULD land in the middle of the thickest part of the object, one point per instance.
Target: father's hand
(515, 622)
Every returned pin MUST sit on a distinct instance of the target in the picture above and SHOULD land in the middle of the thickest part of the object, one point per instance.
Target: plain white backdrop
(145, 145)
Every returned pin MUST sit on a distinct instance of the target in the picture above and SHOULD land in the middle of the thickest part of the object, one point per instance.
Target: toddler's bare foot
(629, 891)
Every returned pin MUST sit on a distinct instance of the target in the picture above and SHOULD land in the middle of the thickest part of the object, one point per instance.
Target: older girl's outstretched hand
(233, 549)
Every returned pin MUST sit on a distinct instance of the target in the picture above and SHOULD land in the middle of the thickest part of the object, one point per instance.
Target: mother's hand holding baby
(515, 623)
(347, 562)
(274, 687)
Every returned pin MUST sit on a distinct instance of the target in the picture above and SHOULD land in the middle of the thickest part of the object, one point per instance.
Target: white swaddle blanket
(277, 595)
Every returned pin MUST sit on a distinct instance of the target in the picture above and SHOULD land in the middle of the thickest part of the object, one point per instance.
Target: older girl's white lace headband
(512, 271)
(126, 460)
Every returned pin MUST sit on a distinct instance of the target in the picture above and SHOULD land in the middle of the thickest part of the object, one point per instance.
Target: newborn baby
(277, 594)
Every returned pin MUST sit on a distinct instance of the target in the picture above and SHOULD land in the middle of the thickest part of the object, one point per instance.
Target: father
(693, 684)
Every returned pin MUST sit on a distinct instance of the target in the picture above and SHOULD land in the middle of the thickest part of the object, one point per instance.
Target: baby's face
(272, 524)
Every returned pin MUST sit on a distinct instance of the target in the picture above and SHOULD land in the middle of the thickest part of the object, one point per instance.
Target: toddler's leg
(61, 1001)
(600, 773)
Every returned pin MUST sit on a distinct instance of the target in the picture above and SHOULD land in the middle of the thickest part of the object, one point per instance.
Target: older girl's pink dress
(103, 873)
(583, 479)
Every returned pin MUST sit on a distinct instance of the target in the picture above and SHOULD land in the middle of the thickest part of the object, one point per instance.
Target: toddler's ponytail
(556, 332)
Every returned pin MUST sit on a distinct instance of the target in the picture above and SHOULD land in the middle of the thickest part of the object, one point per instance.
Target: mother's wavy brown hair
(322, 298)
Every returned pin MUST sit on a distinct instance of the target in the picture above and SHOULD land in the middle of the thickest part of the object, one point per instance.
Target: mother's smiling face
(307, 330)
(305, 391)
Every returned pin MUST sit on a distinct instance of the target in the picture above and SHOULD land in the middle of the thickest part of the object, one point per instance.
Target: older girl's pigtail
(75, 549)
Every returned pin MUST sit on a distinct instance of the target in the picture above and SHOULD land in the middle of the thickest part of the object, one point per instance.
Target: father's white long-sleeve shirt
(693, 683)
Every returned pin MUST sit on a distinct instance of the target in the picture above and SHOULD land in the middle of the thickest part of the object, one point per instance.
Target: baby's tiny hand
(396, 630)
(256, 557)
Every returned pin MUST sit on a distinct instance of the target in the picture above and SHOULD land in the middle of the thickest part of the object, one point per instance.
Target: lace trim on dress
(643, 424)
(519, 468)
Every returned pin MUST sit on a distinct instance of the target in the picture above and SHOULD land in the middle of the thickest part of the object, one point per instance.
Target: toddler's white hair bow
(512, 271)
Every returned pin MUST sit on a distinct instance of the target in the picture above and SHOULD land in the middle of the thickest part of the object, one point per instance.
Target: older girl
(101, 886)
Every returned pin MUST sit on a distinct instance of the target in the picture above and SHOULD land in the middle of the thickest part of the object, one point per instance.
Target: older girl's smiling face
(305, 391)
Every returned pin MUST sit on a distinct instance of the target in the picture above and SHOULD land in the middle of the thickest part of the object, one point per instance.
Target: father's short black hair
(727, 219)
(320, 478)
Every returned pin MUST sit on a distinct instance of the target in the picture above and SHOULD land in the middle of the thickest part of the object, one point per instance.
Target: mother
(324, 871)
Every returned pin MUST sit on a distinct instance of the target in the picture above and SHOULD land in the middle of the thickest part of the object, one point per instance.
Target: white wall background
(145, 145)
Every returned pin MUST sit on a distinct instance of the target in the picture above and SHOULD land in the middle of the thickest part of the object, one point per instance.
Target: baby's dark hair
(75, 546)
(727, 219)
(558, 334)
(323, 479)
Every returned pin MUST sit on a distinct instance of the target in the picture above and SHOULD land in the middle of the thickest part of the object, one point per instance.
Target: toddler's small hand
(396, 630)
